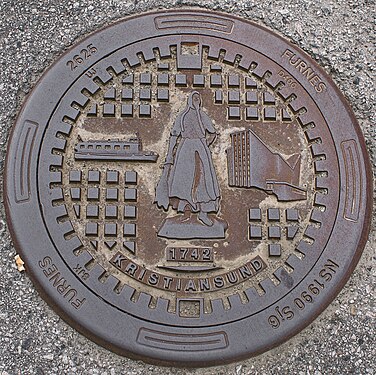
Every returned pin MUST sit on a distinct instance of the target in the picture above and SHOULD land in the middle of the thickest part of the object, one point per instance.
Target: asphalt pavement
(339, 35)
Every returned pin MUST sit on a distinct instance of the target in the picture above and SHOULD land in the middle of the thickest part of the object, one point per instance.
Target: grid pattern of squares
(243, 97)
(105, 201)
(273, 230)
(139, 91)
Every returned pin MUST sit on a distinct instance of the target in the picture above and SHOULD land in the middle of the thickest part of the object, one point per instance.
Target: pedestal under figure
(188, 182)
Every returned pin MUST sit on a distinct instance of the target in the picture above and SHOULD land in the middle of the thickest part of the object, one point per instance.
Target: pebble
(48, 357)
(353, 310)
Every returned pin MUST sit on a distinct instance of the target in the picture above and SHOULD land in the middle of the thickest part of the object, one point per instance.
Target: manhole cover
(188, 188)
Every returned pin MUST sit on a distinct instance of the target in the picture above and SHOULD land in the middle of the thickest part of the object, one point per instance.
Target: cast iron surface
(186, 182)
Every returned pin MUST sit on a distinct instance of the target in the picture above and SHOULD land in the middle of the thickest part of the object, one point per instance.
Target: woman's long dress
(192, 179)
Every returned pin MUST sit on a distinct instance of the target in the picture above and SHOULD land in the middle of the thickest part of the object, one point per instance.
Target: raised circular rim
(96, 334)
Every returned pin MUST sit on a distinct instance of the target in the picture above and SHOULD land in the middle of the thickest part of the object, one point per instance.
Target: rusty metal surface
(192, 190)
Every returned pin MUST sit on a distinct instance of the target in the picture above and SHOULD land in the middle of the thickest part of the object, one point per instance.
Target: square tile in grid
(130, 178)
(216, 80)
(75, 194)
(163, 95)
(75, 176)
(274, 250)
(93, 194)
(145, 94)
(233, 113)
(233, 97)
(270, 113)
(112, 177)
(129, 230)
(127, 94)
(144, 110)
(163, 79)
(233, 81)
(250, 83)
(218, 97)
(274, 232)
(92, 211)
(130, 194)
(91, 229)
(255, 232)
(254, 214)
(292, 214)
(108, 110)
(130, 212)
(252, 113)
(199, 80)
(251, 97)
(112, 194)
(126, 110)
(145, 78)
(180, 80)
(273, 214)
(111, 212)
(110, 229)
(94, 177)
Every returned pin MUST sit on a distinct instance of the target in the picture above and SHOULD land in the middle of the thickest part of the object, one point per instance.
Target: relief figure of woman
(188, 182)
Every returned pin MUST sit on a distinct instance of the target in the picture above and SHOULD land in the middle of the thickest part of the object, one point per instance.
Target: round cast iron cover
(188, 188)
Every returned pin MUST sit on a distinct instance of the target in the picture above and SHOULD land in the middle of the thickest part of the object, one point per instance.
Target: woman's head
(194, 100)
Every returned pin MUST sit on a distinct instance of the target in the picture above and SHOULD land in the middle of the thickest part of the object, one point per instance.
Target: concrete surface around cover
(338, 34)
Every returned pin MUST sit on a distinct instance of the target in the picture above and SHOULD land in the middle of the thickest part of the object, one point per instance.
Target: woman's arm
(171, 146)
